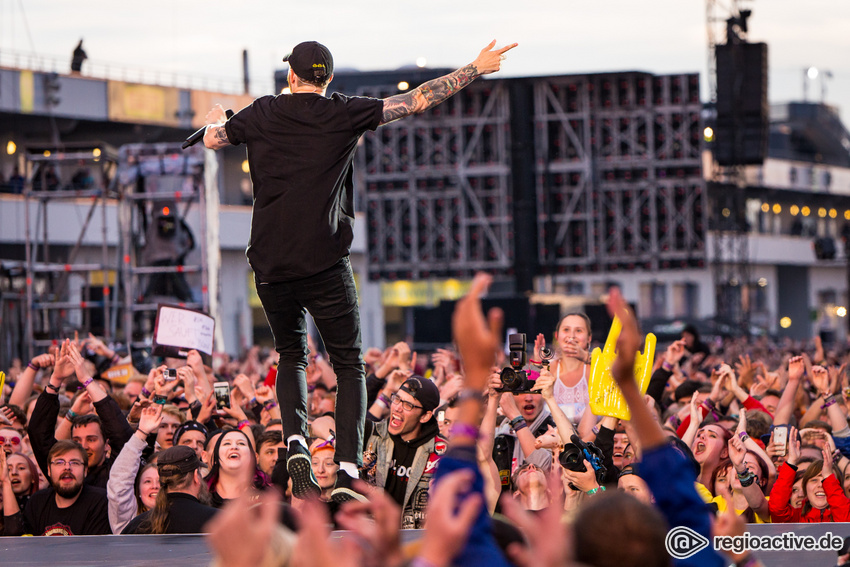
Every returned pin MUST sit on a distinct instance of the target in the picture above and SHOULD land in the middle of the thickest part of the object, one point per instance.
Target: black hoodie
(403, 454)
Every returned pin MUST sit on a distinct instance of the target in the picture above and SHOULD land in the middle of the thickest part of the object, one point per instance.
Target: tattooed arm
(215, 136)
(434, 92)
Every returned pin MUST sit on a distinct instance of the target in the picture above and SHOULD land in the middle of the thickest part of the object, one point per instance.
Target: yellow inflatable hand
(605, 395)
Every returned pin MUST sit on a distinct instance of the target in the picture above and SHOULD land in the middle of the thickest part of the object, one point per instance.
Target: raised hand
(43, 360)
(793, 447)
(737, 452)
(476, 338)
(245, 386)
(622, 370)
(265, 394)
(827, 461)
(675, 352)
(376, 522)
(241, 534)
(820, 380)
(64, 366)
(79, 364)
(490, 59)
(545, 384)
(150, 419)
(742, 421)
(549, 543)
(450, 516)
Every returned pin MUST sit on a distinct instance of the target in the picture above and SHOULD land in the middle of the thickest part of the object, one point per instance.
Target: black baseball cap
(181, 457)
(311, 61)
(190, 425)
(423, 391)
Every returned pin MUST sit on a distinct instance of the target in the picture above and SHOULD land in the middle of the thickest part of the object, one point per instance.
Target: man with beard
(68, 506)
(92, 432)
(406, 447)
(179, 508)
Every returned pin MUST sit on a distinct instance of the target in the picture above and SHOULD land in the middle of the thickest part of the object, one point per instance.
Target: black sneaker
(343, 489)
(299, 467)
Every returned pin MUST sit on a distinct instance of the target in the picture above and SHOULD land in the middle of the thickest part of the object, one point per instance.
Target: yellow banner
(129, 102)
(27, 83)
(409, 293)
(203, 101)
(605, 396)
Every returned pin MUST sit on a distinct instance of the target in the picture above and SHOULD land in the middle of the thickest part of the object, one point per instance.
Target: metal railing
(95, 69)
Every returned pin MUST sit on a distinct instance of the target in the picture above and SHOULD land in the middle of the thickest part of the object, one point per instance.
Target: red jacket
(781, 511)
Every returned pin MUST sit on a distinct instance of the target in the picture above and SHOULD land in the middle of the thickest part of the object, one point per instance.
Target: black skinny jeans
(331, 298)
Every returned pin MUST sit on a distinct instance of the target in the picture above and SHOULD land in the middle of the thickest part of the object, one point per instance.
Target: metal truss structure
(117, 278)
(616, 167)
(49, 271)
(619, 183)
(438, 188)
(152, 176)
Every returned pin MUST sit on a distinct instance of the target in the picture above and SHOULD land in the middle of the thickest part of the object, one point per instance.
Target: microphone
(199, 134)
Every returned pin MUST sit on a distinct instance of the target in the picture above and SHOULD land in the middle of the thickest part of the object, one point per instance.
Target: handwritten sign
(179, 330)
(605, 396)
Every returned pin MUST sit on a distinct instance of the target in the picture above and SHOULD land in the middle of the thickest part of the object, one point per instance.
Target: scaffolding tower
(152, 178)
(49, 271)
(121, 193)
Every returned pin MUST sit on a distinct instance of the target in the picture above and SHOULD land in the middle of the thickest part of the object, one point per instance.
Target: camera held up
(514, 377)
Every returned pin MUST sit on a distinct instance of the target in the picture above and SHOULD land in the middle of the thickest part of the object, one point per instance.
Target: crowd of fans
(726, 433)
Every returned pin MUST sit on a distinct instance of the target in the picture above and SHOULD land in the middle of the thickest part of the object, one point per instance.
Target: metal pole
(107, 335)
(29, 271)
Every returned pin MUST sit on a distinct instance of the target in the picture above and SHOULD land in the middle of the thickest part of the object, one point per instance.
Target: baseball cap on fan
(311, 61)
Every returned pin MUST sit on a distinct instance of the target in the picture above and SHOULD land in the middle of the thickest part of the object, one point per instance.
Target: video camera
(514, 378)
(574, 454)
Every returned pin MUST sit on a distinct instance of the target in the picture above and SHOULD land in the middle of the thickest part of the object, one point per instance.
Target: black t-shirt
(300, 153)
(87, 516)
(186, 515)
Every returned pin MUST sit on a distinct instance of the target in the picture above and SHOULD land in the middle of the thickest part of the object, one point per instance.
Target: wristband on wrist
(242, 424)
(521, 425)
(159, 399)
(743, 436)
(828, 401)
(32, 366)
(384, 399)
(145, 392)
(516, 420)
(87, 382)
(70, 415)
(269, 405)
(597, 489)
(144, 433)
(52, 387)
(667, 366)
(116, 358)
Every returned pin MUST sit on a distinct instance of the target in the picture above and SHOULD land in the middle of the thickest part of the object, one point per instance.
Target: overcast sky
(555, 36)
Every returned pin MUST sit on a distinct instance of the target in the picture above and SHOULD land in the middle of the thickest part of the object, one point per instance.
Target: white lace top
(572, 400)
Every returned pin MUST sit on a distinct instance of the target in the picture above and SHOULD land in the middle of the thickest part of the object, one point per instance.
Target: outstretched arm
(432, 93)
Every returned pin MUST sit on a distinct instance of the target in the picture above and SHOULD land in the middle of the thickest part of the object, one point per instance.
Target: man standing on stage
(300, 153)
